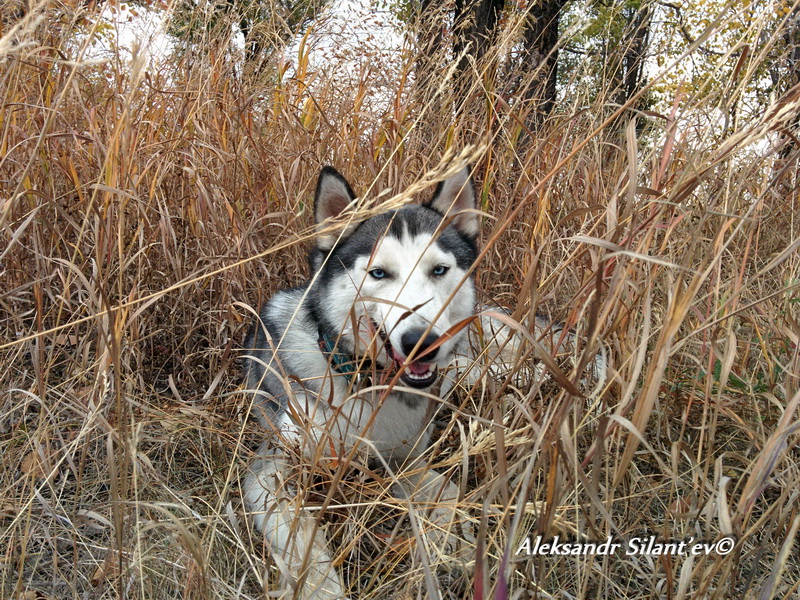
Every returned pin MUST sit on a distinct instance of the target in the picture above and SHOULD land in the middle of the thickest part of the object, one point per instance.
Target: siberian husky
(348, 364)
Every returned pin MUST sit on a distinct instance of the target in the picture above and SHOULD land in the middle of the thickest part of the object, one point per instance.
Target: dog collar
(346, 364)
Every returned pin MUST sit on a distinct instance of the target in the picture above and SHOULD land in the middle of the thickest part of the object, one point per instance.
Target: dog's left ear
(456, 196)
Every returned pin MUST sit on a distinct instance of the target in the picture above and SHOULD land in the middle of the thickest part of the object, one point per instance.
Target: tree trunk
(428, 23)
(786, 80)
(540, 55)
(629, 75)
(474, 32)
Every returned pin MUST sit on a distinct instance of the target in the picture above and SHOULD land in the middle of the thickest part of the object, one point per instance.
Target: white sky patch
(343, 36)
(124, 29)
(359, 48)
(350, 32)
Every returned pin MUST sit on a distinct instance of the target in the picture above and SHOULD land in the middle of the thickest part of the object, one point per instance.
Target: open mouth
(415, 374)
(419, 374)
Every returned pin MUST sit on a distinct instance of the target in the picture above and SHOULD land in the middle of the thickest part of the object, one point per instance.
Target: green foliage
(726, 42)
(265, 26)
(403, 11)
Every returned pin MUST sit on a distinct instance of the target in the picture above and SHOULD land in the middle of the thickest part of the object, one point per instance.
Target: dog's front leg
(300, 549)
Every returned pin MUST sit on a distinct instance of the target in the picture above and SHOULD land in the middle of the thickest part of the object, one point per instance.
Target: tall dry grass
(146, 210)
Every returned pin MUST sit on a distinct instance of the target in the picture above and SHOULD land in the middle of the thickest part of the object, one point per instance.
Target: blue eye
(378, 273)
(440, 270)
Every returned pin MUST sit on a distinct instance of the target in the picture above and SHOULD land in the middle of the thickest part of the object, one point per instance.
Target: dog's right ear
(333, 195)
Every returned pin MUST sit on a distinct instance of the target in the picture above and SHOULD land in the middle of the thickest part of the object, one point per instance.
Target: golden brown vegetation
(145, 210)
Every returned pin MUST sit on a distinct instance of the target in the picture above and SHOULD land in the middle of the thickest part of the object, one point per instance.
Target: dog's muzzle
(419, 372)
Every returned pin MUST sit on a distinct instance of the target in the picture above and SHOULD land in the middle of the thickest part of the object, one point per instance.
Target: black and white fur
(383, 291)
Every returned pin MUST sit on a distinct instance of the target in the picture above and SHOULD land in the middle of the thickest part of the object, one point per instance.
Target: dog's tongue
(418, 368)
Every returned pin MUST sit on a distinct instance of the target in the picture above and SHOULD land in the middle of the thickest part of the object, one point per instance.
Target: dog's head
(397, 285)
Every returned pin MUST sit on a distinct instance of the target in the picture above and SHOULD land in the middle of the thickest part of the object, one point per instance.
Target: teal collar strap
(342, 363)
(346, 364)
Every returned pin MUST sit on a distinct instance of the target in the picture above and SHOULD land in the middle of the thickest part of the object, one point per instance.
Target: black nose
(410, 339)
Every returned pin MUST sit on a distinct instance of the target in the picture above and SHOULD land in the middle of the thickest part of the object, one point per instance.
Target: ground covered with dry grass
(145, 210)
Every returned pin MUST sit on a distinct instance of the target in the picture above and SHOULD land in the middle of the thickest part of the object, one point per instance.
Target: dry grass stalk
(146, 210)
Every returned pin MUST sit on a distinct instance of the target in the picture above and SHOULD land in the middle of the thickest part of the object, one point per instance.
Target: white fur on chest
(390, 428)
(400, 430)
